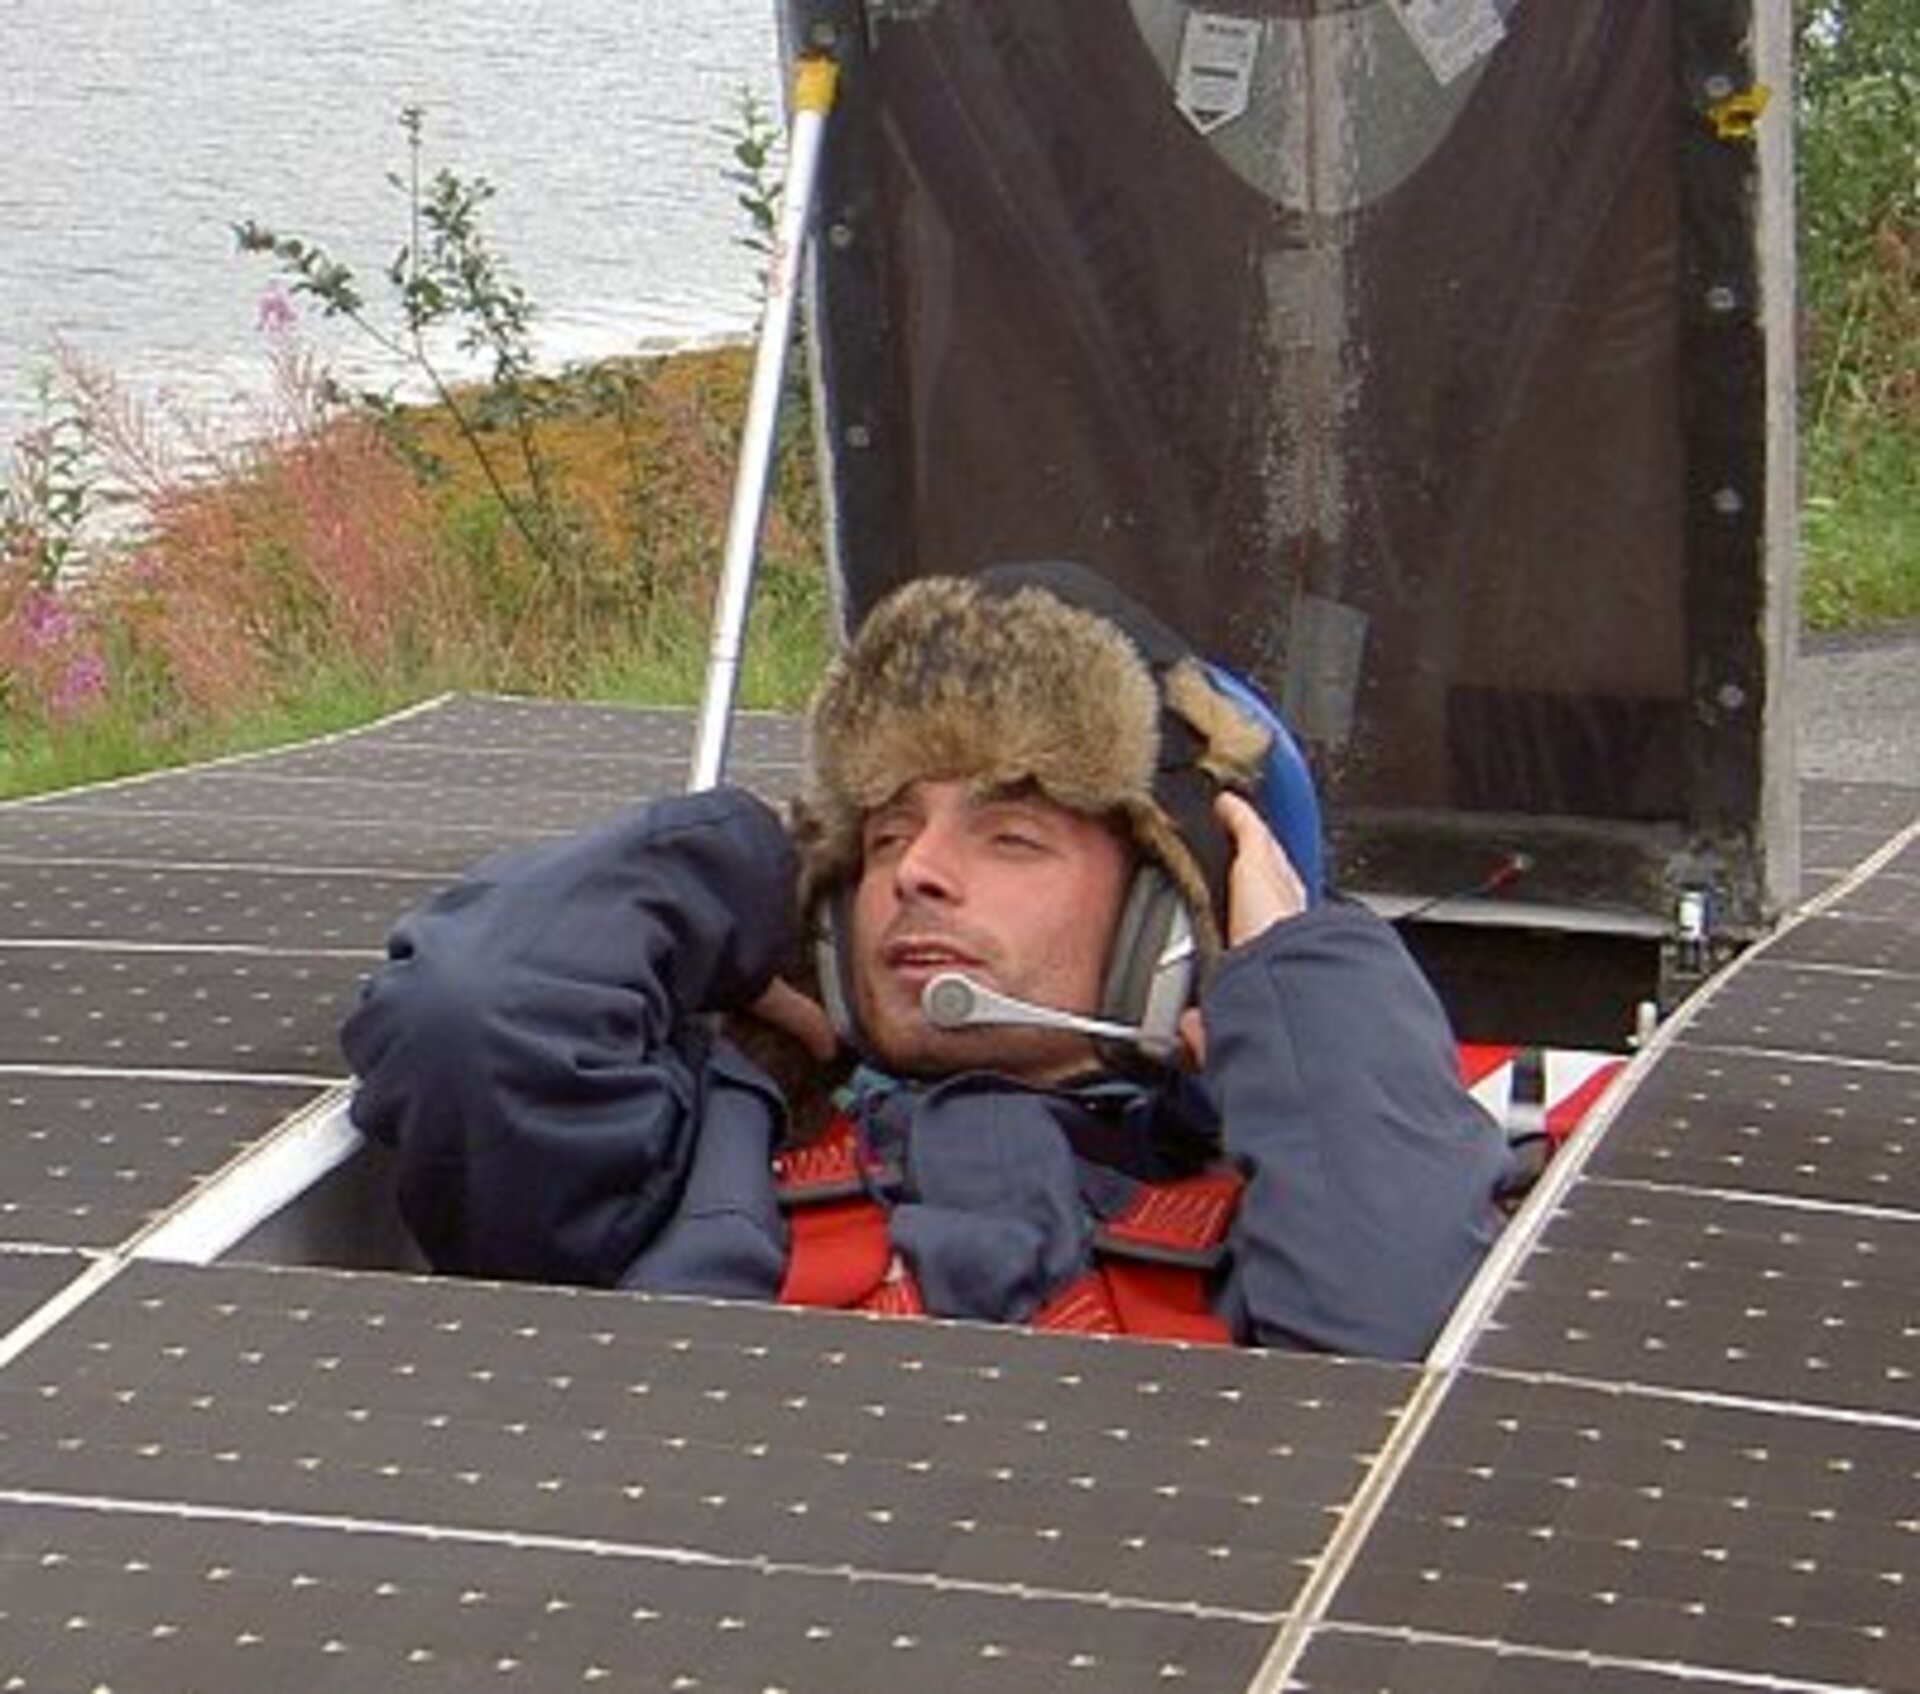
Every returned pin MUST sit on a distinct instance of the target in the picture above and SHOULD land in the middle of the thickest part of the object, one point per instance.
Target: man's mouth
(915, 958)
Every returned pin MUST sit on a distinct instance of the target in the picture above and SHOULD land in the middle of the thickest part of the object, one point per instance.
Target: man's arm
(1372, 1172)
(533, 1048)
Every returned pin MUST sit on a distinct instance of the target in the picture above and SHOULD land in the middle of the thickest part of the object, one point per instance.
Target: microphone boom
(953, 1001)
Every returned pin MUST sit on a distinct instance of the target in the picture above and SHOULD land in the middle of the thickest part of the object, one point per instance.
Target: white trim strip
(600, 1548)
(1802, 1056)
(379, 790)
(1806, 1411)
(1759, 1197)
(192, 949)
(250, 1188)
(58, 1308)
(136, 1073)
(1529, 1223)
(1345, 1544)
(1836, 968)
(1680, 1670)
(259, 1183)
(236, 867)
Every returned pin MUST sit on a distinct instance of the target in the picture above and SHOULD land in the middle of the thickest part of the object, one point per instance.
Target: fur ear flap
(1232, 747)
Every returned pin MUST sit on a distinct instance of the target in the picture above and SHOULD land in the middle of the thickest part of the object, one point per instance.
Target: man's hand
(1263, 888)
(785, 1008)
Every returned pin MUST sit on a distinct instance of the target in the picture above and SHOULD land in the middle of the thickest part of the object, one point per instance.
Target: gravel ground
(1860, 707)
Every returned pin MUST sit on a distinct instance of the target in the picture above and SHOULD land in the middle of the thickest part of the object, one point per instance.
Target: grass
(102, 746)
(786, 651)
(1861, 528)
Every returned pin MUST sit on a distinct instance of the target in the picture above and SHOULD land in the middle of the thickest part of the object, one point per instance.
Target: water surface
(135, 133)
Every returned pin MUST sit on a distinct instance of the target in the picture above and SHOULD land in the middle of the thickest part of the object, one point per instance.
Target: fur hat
(1029, 674)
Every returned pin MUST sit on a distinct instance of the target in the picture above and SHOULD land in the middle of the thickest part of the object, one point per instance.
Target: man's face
(1011, 890)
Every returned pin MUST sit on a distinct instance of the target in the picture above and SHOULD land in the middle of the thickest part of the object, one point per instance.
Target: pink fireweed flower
(82, 686)
(277, 313)
(45, 620)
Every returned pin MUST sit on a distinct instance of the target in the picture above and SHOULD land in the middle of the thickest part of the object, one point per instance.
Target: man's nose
(932, 864)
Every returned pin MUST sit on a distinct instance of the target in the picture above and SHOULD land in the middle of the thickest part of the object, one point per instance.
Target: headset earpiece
(832, 916)
(1151, 967)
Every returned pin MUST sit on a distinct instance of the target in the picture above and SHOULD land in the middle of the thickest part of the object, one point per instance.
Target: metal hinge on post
(1692, 950)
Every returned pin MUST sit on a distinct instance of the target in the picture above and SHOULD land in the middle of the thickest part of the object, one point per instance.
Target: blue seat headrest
(1288, 798)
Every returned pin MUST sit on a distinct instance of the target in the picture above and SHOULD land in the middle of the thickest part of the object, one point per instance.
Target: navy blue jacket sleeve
(1373, 1174)
(534, 1051)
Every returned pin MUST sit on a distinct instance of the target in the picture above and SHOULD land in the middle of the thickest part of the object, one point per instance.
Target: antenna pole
(813, 94)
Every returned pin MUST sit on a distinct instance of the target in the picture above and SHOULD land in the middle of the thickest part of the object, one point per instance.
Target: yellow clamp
(814, 79)
(1737, 116)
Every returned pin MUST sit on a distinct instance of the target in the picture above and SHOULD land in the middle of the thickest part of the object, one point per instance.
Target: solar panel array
(1674, 1444)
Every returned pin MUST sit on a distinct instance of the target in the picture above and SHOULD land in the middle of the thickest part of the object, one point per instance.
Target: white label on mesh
(1453, 35)
(1214, 79)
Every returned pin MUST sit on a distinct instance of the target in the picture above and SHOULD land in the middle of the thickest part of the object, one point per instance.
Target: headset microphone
(953, 1001)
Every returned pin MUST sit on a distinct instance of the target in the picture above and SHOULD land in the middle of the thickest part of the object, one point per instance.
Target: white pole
(813, 92)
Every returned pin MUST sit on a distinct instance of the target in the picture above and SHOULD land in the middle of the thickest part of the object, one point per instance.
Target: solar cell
(289, 910)
(1665, 1530)
(1770, 1123)
(177, 1008)
(87, 1161)
(1787, 1007)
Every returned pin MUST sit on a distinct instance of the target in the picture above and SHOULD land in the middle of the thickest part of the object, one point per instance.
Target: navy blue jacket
(541, 1050)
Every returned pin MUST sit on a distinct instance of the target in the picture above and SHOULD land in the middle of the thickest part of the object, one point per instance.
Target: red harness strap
(1149, 1276)
(838, 1251)
(1151, 1265)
